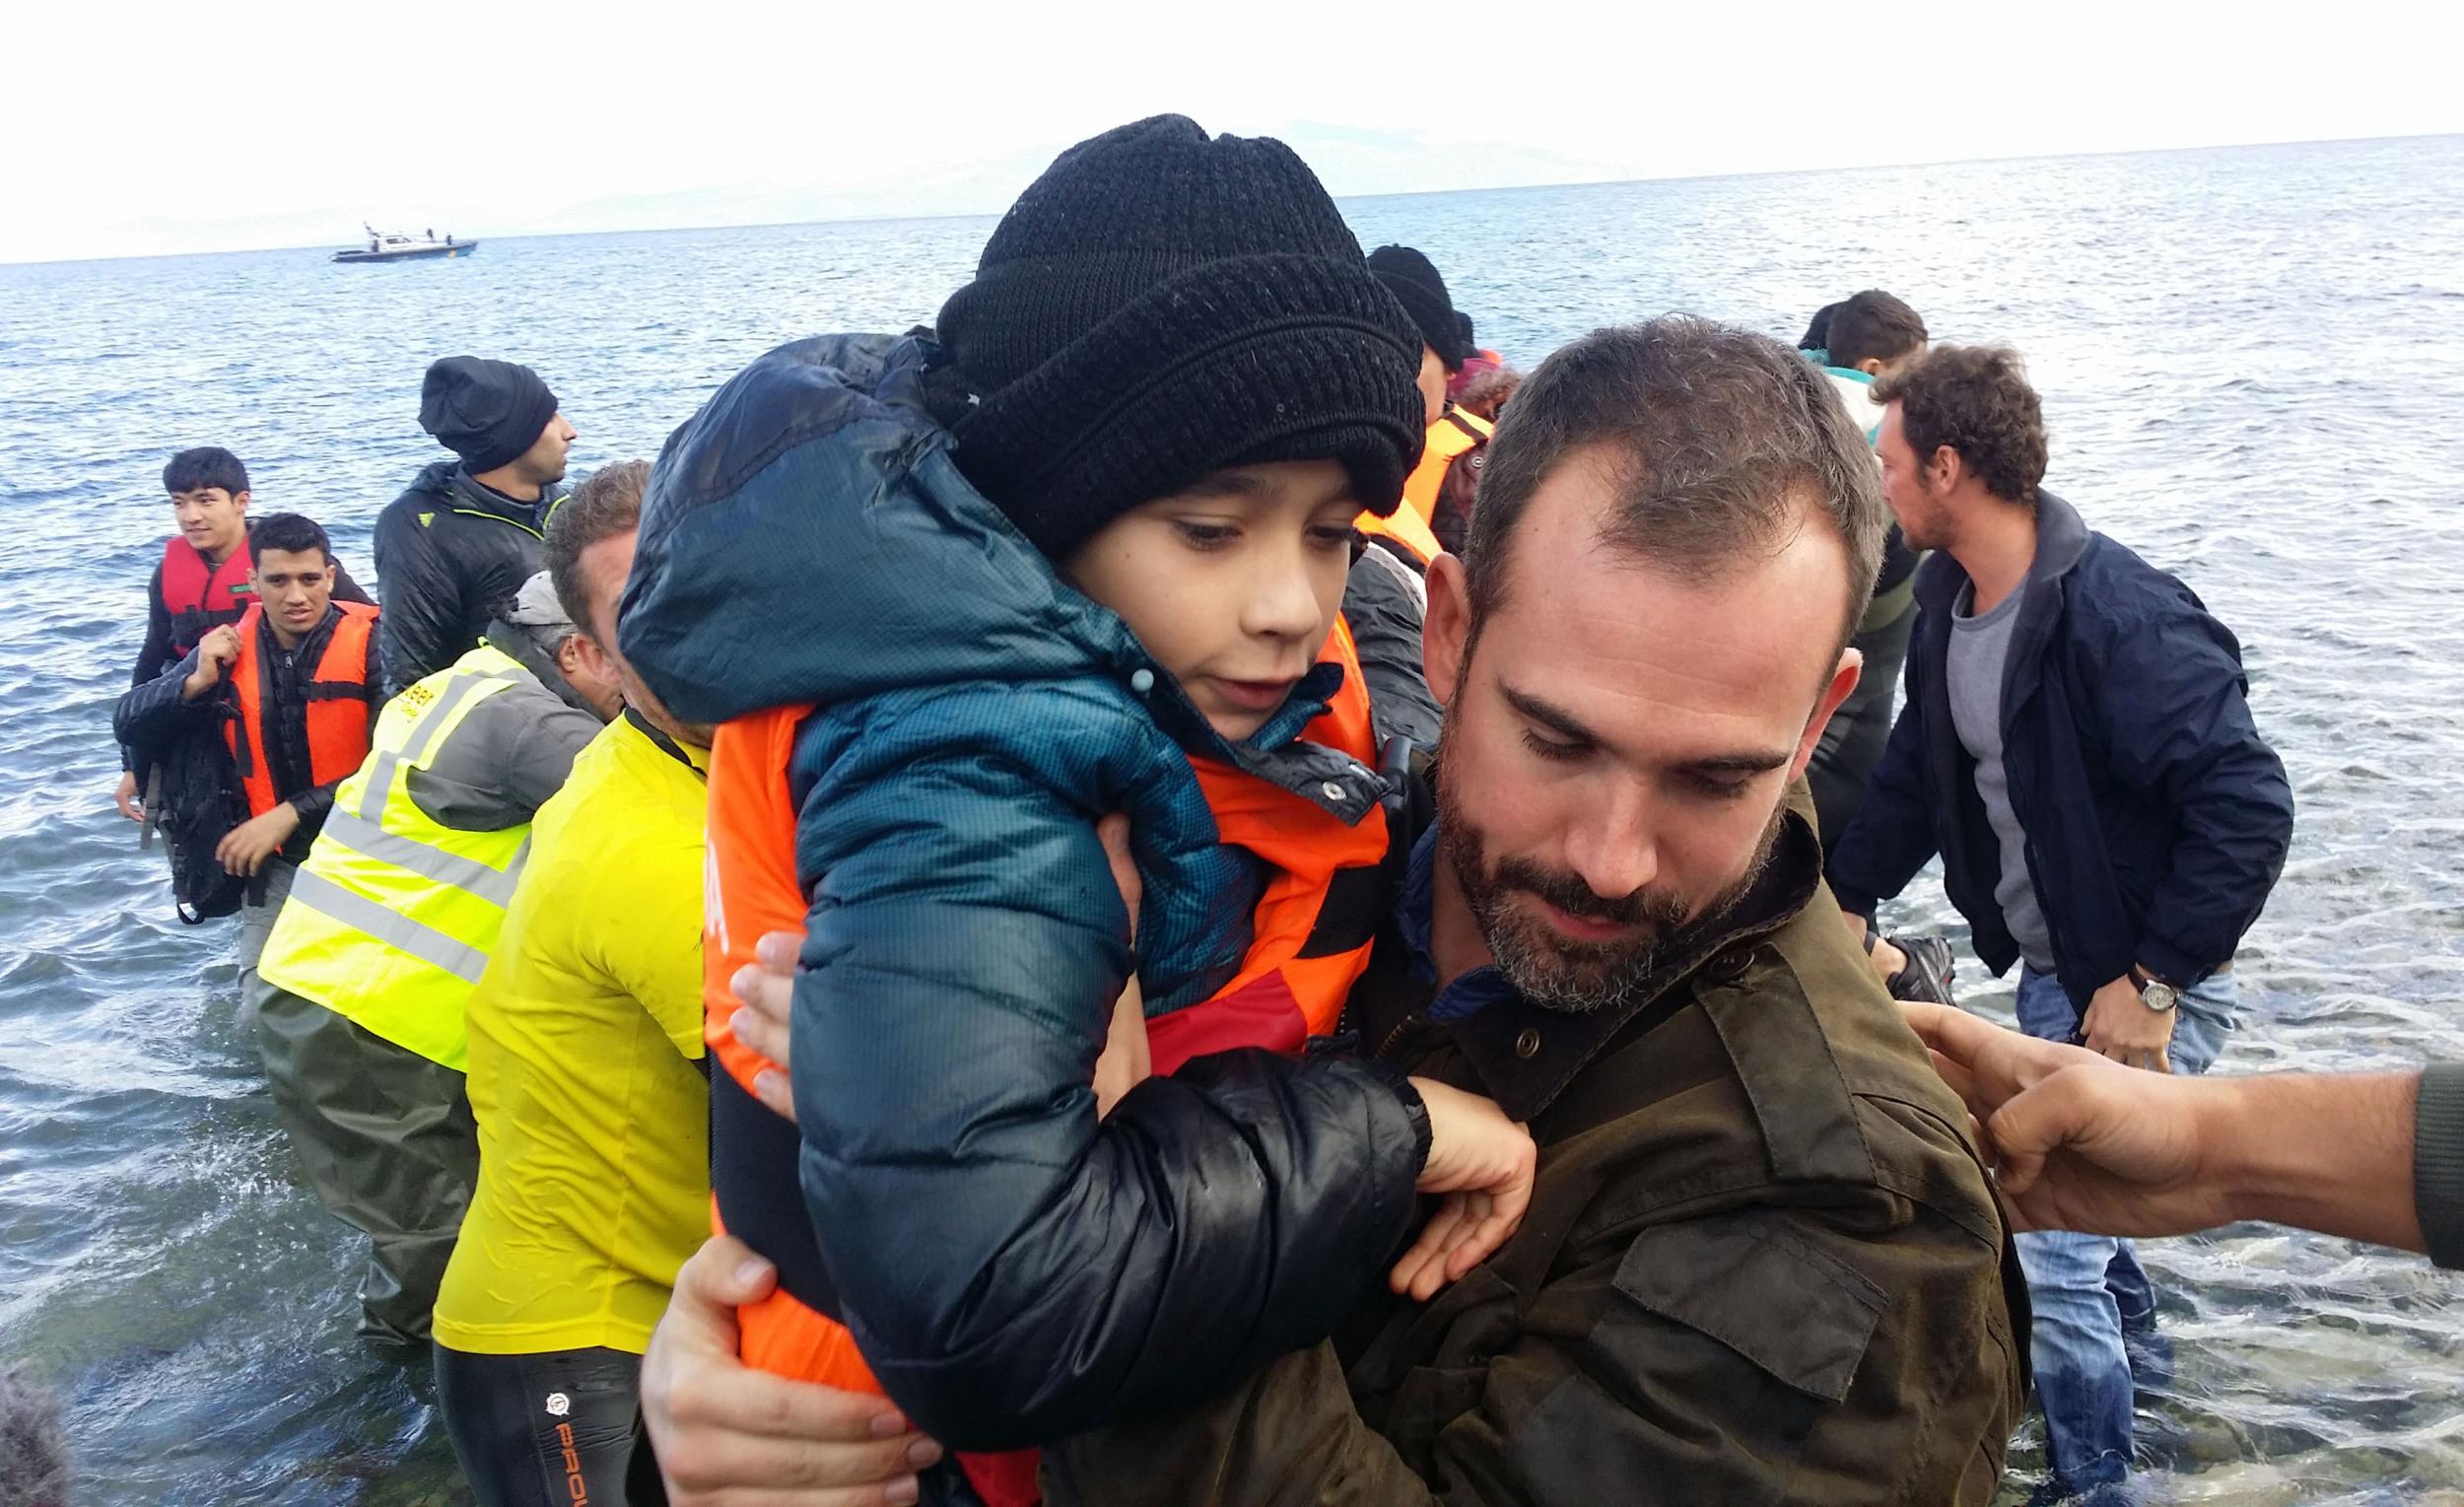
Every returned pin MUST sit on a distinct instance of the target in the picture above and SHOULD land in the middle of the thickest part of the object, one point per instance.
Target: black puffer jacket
(450, 552)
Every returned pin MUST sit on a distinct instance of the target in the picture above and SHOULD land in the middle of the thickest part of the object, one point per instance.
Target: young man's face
(607, 564)
(1618, 742)
(1232, 583)
(1911, 487)
(544, 461)
(293, 588)
(212, 520)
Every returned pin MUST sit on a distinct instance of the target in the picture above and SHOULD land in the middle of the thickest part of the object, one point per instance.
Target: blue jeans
(2090, 1289)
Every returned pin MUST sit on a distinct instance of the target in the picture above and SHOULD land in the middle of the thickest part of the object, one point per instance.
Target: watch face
(2159, 996)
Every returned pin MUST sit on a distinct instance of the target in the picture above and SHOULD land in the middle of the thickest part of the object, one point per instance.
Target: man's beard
(1552, 970)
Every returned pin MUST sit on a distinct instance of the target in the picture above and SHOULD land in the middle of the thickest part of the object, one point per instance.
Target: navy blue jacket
(2156, 817)
(1014, 1271)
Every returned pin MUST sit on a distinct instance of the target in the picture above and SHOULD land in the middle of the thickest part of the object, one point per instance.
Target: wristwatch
(2154, 993)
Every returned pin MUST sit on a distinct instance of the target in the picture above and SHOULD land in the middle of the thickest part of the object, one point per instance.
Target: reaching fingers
(776, 952)
(1114, 833)
(1427, 1252)
(775, 1093)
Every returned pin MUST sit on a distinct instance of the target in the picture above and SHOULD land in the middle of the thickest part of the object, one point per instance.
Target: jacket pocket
(1800, 1316)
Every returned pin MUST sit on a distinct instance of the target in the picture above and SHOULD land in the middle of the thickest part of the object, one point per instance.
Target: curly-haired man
(2078, 747)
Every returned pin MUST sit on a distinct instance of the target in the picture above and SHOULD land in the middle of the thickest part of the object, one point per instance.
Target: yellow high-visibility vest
(392, 918)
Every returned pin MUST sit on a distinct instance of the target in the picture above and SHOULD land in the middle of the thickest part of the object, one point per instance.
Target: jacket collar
(469, 495)
(1525, 1055)
(2062, 541)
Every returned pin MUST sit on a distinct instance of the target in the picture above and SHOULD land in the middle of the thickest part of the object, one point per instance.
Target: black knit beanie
(488, 412)
(1415, 282)
(1160, 305)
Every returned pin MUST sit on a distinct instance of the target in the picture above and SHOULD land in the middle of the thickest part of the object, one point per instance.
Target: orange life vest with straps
(337, 705)
(1311, 934)
(1454, 433)
(200, 598)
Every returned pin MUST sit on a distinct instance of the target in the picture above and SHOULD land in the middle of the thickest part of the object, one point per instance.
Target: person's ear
(1844, 680)
(581, 655)
(239, 501)
(1445, 630)
(1944, 468)
(1871, 366)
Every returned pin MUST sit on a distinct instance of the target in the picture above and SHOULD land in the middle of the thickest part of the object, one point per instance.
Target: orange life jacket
(337, 705)
(1454, 433)
(200, 598)
(1312, 929)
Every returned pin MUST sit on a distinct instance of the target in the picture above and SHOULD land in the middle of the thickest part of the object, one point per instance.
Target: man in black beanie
(1437, 499)
(457, 545)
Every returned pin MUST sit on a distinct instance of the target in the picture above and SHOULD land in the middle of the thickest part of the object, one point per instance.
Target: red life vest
(200, 597)
(337, 705)
(1312, 930)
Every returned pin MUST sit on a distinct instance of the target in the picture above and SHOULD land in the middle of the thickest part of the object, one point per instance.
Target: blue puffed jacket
(1014, 1269)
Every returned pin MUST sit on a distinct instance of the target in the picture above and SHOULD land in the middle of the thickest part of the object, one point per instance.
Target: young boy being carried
(959, 596)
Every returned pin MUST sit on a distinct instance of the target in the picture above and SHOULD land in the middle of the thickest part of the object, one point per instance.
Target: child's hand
(768, 989)
(1125, 1063)
(1485, 1164)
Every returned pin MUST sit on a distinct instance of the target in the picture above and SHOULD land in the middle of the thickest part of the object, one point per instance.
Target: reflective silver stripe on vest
(394, 930)
(381, 776)
(427, 861)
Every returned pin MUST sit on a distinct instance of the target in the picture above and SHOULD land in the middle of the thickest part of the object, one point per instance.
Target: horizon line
(1402, 194)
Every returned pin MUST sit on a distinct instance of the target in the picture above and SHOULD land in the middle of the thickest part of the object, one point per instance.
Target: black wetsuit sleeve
(2438, 1162)
(423, 600)
(345, 588)
(155, 651)
(151, 716)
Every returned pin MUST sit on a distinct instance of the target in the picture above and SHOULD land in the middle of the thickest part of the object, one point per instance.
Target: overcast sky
(145, 127)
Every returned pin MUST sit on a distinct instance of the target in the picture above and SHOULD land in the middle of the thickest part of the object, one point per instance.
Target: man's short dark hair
(1975, 400)
(208, 466)
(1872, 326)
(1818, 335)
(291, 532)
(1722, 441)
(605, 506)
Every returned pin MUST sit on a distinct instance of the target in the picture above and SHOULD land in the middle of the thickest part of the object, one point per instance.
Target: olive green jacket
(1763, 1265)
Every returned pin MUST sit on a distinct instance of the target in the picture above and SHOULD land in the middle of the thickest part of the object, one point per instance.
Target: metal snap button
(1527, 1044)
(1332, 790)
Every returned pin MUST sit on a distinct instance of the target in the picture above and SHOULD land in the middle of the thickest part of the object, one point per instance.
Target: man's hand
(728, 1436)
(2077, 1142)
(1486, 1164)
(1886, 959)
(2119, 1026)
(767, 987)
(217, 651)
(245, 848)
(124, 797)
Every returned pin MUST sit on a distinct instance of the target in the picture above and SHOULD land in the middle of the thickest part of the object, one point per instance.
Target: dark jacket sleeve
(151, 717)
(1014, 1270)
(1636, 1380)
(1893, 833)
(2438, 1162)
(155, 651)
(348, 590)
(423, 599)
(2169, 696)
(1385, 604)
